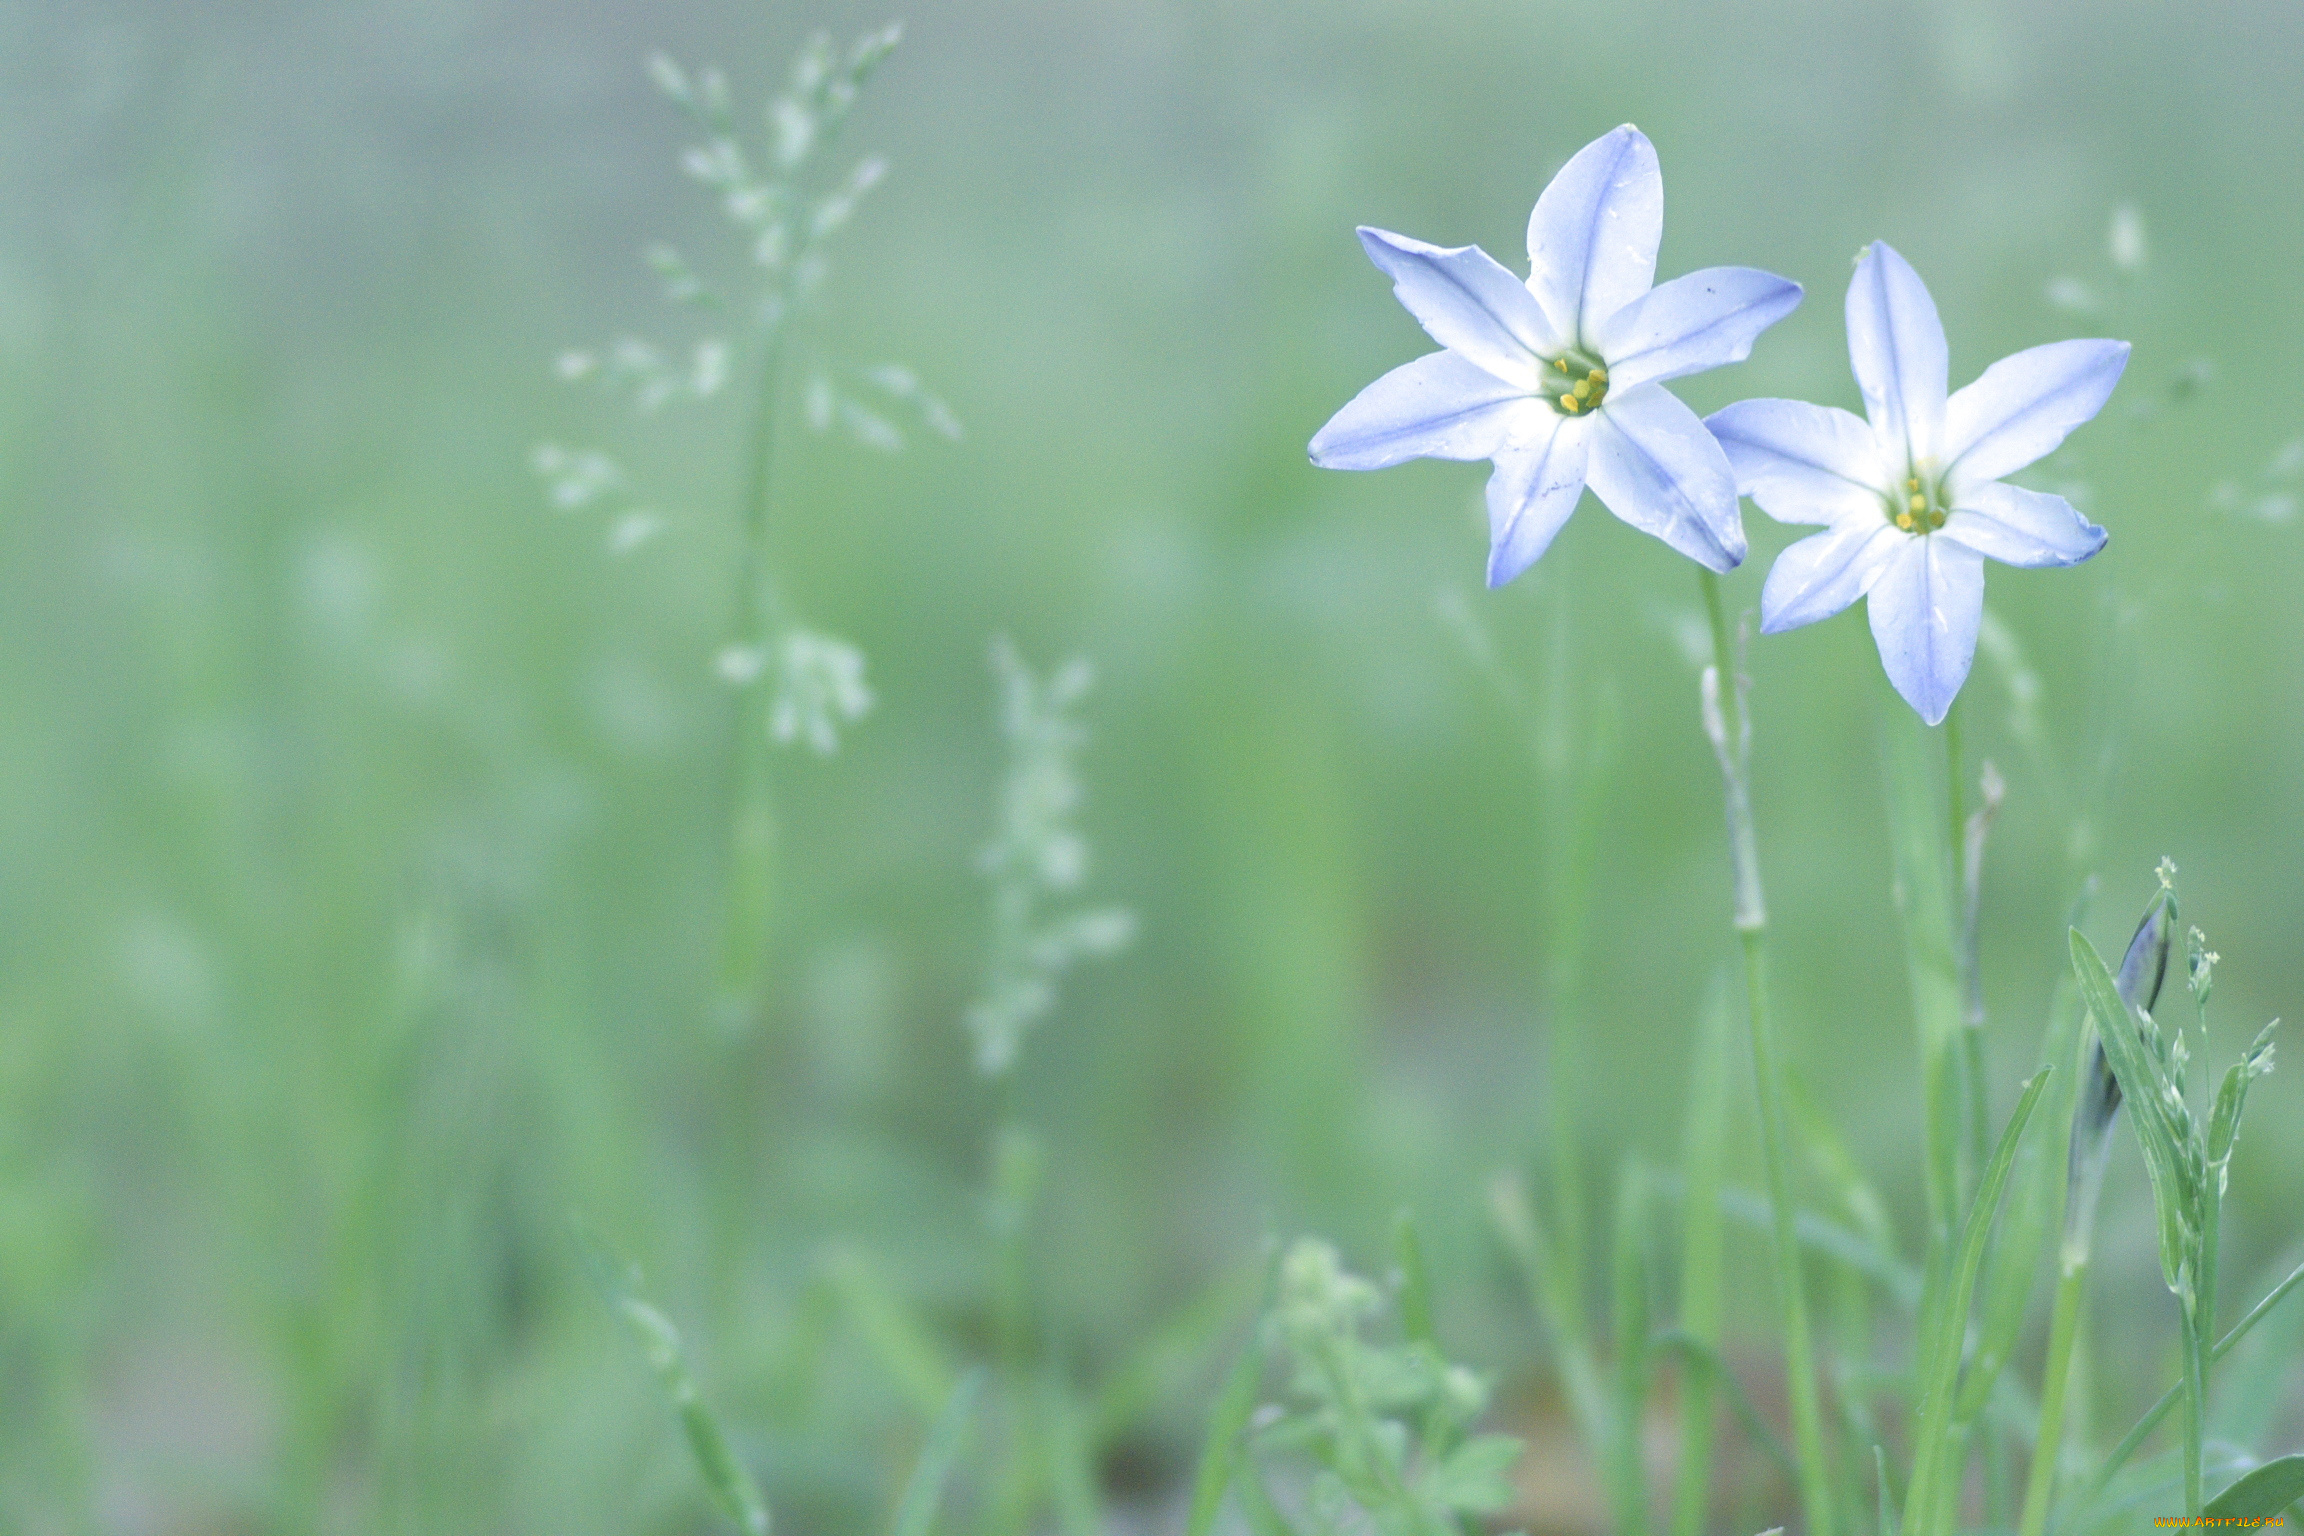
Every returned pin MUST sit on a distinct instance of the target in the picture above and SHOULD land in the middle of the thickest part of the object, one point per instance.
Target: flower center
(1575, 384)
(1918, 507)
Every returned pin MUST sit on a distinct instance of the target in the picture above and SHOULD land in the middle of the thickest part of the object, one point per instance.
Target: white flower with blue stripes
(1912, 499)
(1559, 380)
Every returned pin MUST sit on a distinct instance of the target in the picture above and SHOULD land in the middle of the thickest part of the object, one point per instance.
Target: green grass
(362, 819)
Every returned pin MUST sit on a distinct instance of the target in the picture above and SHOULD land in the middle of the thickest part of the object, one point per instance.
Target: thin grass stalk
(1015, 1181)
(1561, 772)
(2063, 1327)
(1732, 739)
(1936, 1456)
(2084, 1164)
(2195, 1418)
(1626, 1474)
(2159, 1410)
(2199, 1335)
(1701, 1268)
(1522, 1229)
(752, 826)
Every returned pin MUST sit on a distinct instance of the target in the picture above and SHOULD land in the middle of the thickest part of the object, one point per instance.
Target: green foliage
(916, 1515)
(366, 828)
(2261, 1494)
(1385, 1425)
(724, 1477)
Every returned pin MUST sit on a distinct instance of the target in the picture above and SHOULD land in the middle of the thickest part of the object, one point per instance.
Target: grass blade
(1942, 1366)
(1713, 1371)
(2159, 1410)
(917, 1513)
(2263, 1493)
(1220, 1458)
(1701, 1267)
(2146, 1089)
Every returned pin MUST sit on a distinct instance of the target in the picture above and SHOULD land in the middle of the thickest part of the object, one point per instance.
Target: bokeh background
(358, 839)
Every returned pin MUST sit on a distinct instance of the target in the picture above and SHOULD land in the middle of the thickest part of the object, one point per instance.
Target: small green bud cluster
(1385, 1426)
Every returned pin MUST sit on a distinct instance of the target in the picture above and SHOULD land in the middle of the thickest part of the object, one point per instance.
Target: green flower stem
(2159, 1410)
(1751, 926)
(2195, 1394)
(1938, 1452)
(2199, 1346)
(1701, 1301)
(752, 832)
(2063, 1326)
(1968, 888)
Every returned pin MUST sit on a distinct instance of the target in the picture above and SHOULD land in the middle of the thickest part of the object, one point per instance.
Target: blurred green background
(358, 814)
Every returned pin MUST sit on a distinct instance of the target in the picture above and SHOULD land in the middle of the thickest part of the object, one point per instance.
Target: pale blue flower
(1559, 380)
(1912, 500)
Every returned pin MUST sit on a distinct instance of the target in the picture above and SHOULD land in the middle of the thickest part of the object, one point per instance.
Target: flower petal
(1656, 467)
(1825, 572)
(2020, 527)
(1592, 238)
(2021, 407)
(1693, 323)
(1466, 302)
(1536, 485)
(1896, 345)
(1437, 407)
(1925, 609)
(1802, 463)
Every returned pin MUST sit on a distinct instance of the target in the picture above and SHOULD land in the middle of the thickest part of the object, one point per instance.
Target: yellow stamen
(1913, 484)
(1904, 521)
(1583, 389)
(1569, 403)
(1598, 375)
(1560, 363)
(1919, 503)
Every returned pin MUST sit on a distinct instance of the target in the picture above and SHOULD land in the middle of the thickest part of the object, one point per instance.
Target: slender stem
(1799, 1355)
(1751, 924)
(2195, 1394)
(1557, 764)
(2159, 1410)
(1014, 1188)
(752, 831)
(1700, 1255)
(1625, 1466)
(2199, 1345)
(1967, 888)
(2040, 1483)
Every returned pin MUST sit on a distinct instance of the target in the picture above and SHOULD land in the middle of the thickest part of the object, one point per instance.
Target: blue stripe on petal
(2020, 527)
(1655, 466)
(1896, 345)
(1437, 407)
(1593, 235)
(1536, 485)
(1803, 463)
(1692, 323)
(1466, 302)
(1926, 607)
(2023, 406)
(1825, 572)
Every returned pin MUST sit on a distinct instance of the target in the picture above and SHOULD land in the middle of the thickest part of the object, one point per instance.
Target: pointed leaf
(2145, 1087)
(1227, 1431)
(2263, 1493)
(1941, 1372)
(925, 1491)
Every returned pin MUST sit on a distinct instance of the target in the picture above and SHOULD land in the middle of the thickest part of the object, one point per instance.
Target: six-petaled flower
(1912, 499)
(1559, 380)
